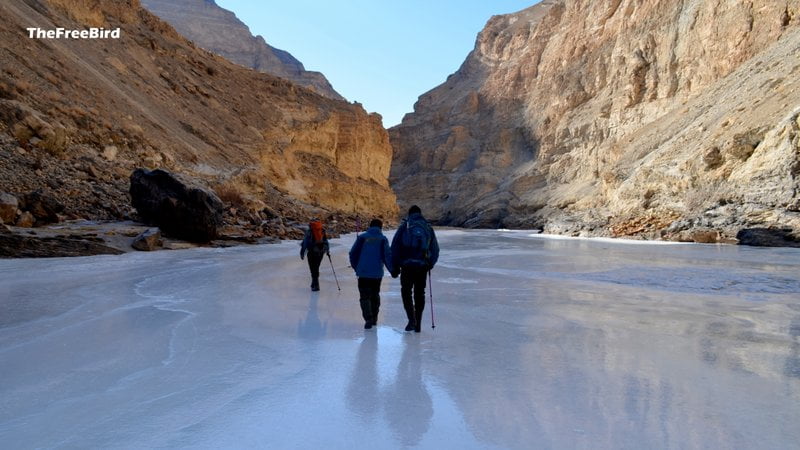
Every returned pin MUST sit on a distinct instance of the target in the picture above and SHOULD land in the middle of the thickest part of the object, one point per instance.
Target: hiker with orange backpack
(315, 242)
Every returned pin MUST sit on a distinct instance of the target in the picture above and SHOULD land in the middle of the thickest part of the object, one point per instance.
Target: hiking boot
(410, 326)
(368, 325)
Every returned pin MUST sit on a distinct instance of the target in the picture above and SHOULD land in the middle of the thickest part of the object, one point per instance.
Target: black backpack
(417, 238)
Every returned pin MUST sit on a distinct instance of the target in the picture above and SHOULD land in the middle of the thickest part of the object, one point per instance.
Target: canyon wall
(661, 119)
(78, 115)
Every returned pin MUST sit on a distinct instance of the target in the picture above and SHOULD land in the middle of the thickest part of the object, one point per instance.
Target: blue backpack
(417, 240)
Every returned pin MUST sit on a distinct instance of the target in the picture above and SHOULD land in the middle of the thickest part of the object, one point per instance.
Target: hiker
(415, 251)
(315, 242)
(370, 252)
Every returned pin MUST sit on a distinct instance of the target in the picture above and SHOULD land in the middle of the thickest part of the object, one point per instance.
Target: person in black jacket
(315, 242)
(415, 251)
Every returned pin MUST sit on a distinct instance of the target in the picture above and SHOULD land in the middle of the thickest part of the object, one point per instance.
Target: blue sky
(383, 54)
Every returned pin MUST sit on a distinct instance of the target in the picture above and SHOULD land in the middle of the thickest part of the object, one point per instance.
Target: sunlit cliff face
(160, 101)
(613, 118)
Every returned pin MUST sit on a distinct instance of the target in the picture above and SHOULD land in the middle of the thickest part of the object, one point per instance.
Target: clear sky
(383, 54)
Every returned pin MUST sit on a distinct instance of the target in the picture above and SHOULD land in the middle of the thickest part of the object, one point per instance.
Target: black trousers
(369, 290)
(412, 287)
(314, 260)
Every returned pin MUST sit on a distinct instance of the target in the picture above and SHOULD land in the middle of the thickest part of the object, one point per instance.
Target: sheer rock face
(219, 31)
(614, 117)
(153, 99)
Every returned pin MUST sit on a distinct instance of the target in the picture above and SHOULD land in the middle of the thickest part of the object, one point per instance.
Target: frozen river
(539, 343)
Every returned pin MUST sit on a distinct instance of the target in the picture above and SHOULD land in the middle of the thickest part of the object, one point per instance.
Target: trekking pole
(430, 291)
(334, 272)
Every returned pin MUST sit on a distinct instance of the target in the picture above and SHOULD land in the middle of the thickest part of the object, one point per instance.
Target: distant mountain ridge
(219, 31)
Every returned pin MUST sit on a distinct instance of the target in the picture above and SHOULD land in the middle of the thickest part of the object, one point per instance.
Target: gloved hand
(395, 274)
(302, 254)
(329, 254)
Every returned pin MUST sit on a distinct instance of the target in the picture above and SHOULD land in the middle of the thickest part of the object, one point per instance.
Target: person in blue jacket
(368, 255)
(415, 251)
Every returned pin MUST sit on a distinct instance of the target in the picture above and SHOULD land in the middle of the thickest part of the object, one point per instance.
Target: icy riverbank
(540, 342)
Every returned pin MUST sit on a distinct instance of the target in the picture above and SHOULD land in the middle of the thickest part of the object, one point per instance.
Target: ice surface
(539, 343)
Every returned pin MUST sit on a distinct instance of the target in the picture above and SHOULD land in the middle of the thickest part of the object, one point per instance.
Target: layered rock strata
(669, 118)
(219, 31)
(78, 116)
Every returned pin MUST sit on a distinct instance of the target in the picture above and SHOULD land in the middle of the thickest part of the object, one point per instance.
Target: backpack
(417, 239)
(317, 233)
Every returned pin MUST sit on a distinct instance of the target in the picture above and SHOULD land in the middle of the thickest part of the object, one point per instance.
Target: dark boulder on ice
(178, 207)
(768, 237)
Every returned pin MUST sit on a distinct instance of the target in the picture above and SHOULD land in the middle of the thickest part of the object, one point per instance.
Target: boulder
(90, 170)
(768, 237)
(705, 236)
(8, 207)
(178, 207)
(44, 207)
(148, 241)
(26, 220)
(110, 152)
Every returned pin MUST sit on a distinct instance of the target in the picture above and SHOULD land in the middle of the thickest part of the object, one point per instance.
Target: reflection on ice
(408, 404)
(539, 343)
(394, 393)
(311, 327)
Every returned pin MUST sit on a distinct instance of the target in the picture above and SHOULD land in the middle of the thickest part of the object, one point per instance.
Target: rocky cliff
(77, 116)
(220, 31)
(655, 118)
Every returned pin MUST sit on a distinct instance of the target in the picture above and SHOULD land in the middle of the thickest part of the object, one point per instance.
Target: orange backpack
(316, 231)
